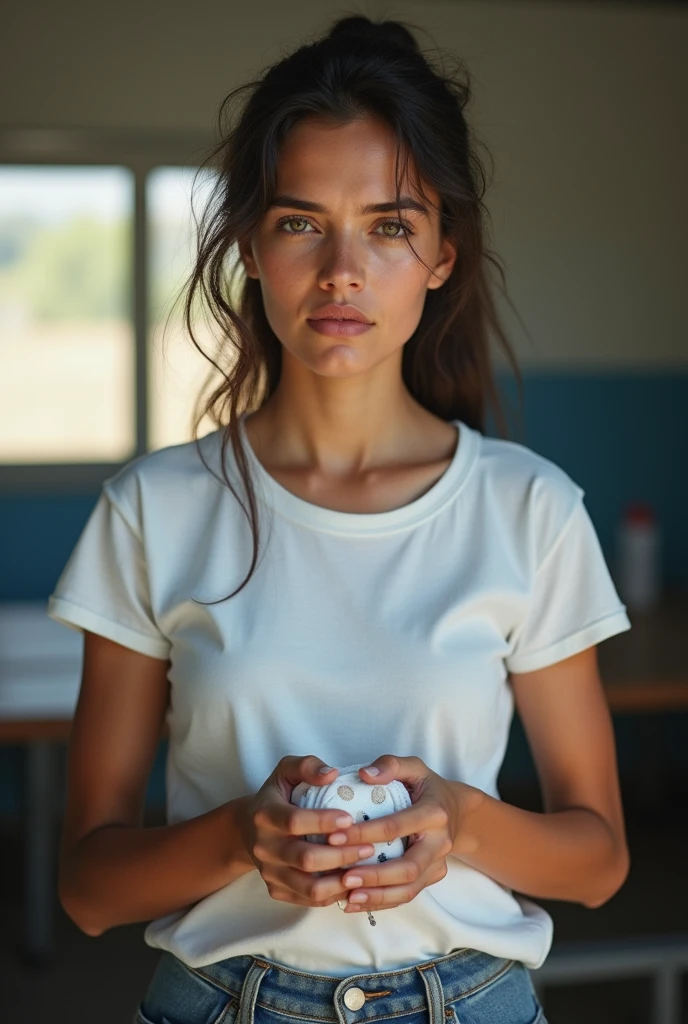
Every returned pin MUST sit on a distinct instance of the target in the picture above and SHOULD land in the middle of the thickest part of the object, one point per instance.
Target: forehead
(339, 165)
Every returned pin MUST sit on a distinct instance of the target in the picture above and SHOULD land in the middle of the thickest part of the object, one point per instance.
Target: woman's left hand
(432, 823)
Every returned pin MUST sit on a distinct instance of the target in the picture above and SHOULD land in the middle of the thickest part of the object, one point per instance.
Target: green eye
(288, 220)
(395, 224)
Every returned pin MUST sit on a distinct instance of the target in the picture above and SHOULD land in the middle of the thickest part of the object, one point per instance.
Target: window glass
(66, 333)
(177, 371)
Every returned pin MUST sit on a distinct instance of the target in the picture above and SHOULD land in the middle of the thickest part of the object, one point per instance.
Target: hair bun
(360, 27)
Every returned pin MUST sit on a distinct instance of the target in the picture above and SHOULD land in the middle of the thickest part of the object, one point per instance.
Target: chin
(336, 360)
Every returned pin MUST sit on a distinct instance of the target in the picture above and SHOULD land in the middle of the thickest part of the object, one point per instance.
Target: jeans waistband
(426, 985)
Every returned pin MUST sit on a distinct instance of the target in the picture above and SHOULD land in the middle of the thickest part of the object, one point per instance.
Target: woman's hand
(432, 822)
(273, 831)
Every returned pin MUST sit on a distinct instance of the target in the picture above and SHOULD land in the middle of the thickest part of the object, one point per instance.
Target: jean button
(354, 998)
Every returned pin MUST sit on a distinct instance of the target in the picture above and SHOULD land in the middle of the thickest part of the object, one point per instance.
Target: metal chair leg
(39, 881)
(666, 996)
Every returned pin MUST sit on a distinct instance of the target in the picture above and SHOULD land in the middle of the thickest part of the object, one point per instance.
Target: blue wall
(621, 436)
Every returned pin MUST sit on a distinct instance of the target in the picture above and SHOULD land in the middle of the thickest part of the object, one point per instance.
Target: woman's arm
(119, 874)
(112, 870)
(577, 849)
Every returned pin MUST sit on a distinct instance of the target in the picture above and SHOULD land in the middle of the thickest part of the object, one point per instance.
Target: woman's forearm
(563, 855)
(120, 874)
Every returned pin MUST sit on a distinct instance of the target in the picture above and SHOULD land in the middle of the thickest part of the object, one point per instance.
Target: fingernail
(343, 821)
(353, 881)
(373, 771)
(358, 897)
(324, 770)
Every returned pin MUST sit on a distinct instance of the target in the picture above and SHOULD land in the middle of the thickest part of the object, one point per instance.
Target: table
(643, 671)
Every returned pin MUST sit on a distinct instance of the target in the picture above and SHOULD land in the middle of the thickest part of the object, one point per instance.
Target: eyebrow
(294, 203)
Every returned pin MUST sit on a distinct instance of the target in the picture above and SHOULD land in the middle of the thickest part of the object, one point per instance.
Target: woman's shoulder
(510, 463)
(170, 475)
(535, 492)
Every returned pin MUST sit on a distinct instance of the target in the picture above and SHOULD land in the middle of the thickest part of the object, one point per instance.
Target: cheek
(283, 281)
(402, 292)
(402, 274)
(274, 262)
(278, 268)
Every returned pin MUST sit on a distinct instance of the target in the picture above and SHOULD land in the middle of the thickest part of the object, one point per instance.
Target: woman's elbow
(75, 913)
(615, 880)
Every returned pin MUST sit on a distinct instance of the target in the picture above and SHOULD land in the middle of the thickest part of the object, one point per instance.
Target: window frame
(140, 152)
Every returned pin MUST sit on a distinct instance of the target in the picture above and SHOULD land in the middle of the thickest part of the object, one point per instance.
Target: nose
(342, 266)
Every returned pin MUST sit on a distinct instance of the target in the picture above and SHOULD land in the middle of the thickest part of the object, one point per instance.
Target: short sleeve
(574, 603)
(104, 587)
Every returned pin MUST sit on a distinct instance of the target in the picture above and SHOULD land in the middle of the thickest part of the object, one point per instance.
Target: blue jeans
(463, 987)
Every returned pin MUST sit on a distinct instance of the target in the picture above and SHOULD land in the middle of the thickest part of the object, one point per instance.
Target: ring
(342, 904)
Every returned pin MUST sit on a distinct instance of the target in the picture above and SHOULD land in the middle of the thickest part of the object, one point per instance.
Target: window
(96, 239)
(176, 370)
(66, 331)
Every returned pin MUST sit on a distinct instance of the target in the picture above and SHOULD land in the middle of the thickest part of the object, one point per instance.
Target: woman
(419, 578)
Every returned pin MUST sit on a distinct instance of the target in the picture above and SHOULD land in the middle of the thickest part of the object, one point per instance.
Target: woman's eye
(290, 220)
(403, 228)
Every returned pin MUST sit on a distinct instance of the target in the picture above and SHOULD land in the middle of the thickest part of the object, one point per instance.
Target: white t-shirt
(358, 635)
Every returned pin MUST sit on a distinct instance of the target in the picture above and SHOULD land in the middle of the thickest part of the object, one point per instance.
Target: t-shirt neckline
(316, 517)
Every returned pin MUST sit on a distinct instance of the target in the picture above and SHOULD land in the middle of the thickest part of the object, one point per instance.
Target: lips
(335, 312)
(338, 328)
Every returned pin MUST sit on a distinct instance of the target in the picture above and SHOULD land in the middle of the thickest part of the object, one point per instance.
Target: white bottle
(639, 558)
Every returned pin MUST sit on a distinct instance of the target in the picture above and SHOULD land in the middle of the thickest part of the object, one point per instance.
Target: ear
(246, 253)
(445, 265)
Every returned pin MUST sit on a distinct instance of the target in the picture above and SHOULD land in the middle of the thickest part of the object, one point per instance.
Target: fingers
(316, 871)
(297, 769)
(296, 887)
(403, 870)
(417, 818)
(386, 885)
(315, 876)
(292, 863)
(409, 770)
(396, 882)
(302, 821)
(312, 857)
(280, 814)
(394, 896)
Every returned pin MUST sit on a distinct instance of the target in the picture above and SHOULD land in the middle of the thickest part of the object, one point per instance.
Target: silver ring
(342, 904)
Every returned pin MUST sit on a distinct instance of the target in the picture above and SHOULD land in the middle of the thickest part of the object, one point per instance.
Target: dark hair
(360, 68)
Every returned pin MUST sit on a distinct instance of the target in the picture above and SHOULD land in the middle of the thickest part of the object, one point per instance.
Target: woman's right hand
(273, 831)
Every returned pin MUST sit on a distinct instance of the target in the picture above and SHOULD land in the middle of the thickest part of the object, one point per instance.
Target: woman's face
(339, 254)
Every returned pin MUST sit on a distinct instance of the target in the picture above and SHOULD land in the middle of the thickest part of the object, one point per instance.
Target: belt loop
(435, 995)
(249, 991)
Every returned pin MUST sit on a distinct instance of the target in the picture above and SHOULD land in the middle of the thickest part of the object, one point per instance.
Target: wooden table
(644, 671)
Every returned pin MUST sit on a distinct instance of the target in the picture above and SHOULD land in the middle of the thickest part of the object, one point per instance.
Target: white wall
(581, 105)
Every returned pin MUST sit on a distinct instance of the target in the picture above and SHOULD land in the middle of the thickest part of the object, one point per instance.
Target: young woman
(418, 579)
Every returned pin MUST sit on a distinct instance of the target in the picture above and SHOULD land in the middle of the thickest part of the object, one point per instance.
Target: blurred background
(105, 113)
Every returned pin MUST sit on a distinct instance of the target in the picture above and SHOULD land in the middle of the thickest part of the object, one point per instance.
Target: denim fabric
(464, 987)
